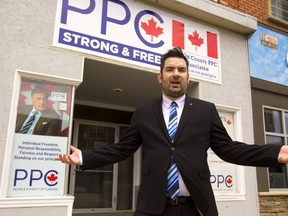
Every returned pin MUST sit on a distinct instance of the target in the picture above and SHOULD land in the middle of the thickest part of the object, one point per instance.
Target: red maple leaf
(229, 181)
(52, 177)
(195, 39)
(151, 28)
(228, 122)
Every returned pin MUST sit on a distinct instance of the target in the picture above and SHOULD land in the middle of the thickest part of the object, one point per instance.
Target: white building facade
(98, 61)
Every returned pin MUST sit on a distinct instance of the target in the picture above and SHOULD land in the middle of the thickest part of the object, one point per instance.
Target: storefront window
(275, 123)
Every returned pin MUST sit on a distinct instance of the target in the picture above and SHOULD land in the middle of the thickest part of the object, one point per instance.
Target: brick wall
(273, 203)
(256, 8)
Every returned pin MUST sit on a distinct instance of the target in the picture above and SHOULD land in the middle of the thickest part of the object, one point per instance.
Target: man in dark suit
(198, 127)
(38, 119)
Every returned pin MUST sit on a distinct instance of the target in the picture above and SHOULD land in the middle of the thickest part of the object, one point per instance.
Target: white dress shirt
(166, 104)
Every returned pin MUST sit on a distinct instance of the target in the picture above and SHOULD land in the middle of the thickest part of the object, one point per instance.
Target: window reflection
(273, 121)
(277, 175)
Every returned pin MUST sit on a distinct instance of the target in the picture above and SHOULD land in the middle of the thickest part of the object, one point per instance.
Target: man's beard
(169, 91)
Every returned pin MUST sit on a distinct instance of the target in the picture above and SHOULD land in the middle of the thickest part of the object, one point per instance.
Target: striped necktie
(173, 179)
(28, 124)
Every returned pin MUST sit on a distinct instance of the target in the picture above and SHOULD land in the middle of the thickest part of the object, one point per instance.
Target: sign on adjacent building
(269, 41)
(268, 56)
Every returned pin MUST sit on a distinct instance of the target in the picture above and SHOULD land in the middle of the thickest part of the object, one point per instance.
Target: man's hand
(73, 158)
(283, 155)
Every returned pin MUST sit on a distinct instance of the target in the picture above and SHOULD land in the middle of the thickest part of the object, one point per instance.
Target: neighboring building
(268, 59)
(98, 60)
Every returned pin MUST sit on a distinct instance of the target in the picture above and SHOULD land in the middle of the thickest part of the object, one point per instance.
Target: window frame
(283, 135)
(274, 18)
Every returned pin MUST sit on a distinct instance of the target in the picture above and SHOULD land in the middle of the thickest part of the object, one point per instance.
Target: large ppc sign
(136, 33)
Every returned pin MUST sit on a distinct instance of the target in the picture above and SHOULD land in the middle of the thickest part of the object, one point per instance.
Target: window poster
(41, 133)
(225, 177)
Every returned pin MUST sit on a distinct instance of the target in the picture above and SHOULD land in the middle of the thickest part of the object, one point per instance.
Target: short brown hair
(174, 52)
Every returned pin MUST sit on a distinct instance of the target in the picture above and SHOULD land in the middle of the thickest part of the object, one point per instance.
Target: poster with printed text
(224, 176)
(41, 133)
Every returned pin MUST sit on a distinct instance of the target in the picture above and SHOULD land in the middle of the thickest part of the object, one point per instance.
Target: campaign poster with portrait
(41, 133)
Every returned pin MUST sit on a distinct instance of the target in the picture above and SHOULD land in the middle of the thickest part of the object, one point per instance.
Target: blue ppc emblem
(34, 175)
(222, 181)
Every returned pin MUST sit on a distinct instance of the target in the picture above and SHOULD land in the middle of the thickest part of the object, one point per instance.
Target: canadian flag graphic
(186, 38)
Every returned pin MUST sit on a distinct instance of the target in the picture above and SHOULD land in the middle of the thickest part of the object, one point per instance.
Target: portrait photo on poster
(43, 108)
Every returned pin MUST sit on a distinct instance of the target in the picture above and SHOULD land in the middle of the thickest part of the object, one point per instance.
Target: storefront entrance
(104, 105)
(108, 188)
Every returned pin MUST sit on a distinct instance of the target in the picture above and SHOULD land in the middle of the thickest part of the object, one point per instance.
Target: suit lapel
(39, 124)
(157, 108)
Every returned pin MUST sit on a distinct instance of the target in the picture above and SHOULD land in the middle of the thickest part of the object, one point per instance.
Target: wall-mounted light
(117, 90)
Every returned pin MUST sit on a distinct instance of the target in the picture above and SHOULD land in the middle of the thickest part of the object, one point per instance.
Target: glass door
(125, 180)
(105, 189)
(93, 188)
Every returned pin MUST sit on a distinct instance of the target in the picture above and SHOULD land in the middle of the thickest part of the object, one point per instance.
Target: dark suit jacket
(199, 128)
(48, 124)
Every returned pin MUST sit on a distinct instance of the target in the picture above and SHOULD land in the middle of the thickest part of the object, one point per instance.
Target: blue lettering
(220, 180)
(17, 172)
(106, 19)
(214, 179)
(66, 7)
(35, 175)
(32, 178)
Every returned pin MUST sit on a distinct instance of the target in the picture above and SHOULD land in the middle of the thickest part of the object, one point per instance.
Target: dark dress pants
(184, 209)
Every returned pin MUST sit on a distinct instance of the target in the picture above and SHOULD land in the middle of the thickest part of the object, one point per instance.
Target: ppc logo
(221, 180)
(150, 26)
(51, 177)
(143, 23)
(34, 175)
(229, 181)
